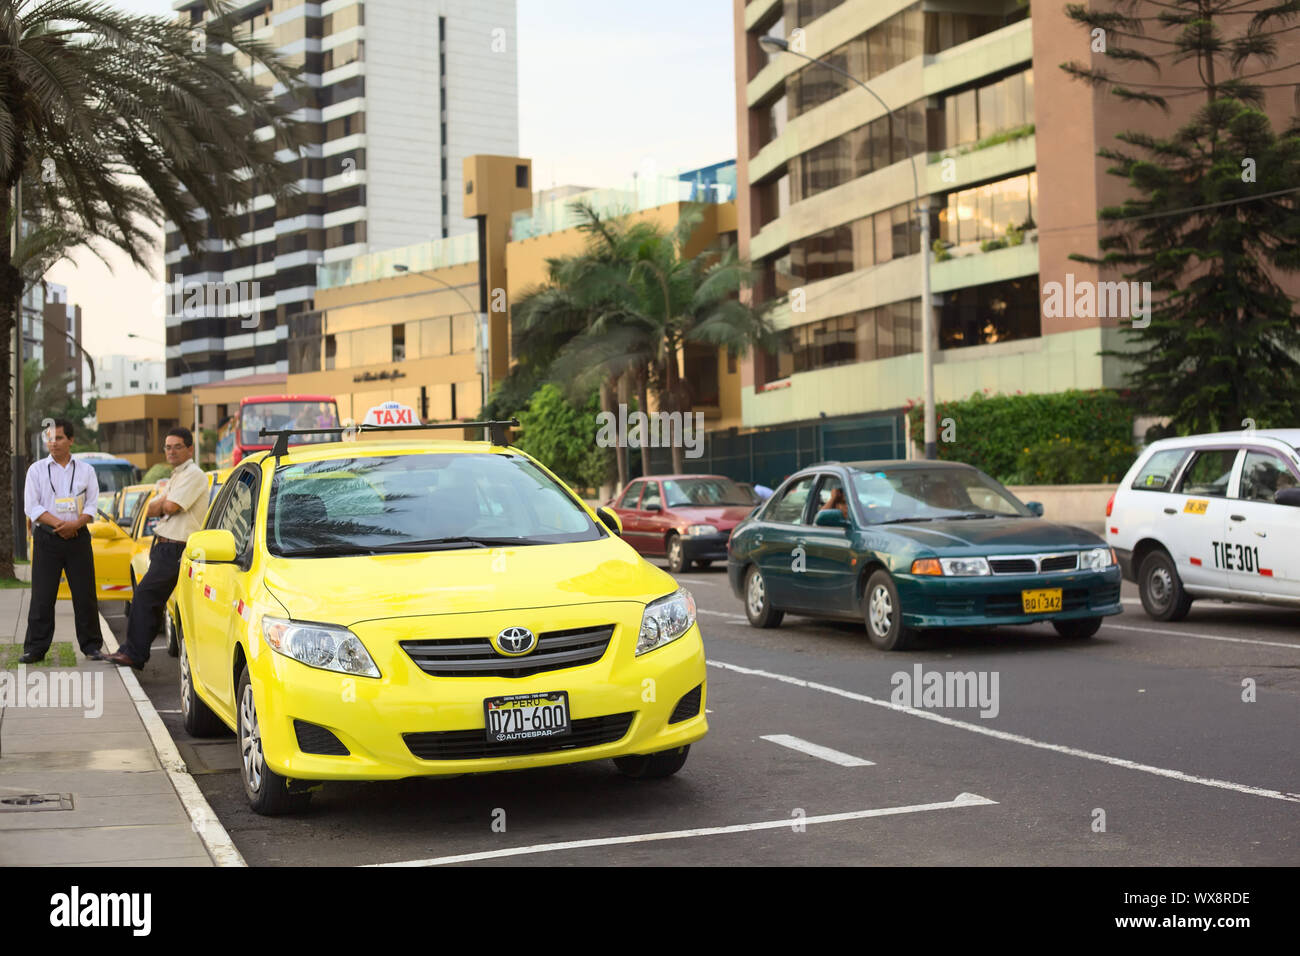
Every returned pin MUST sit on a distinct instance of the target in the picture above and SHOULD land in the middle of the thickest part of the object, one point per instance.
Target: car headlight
(665, 620)
(1097, 559)
(964, 567)
(327, 646)
(697, 529)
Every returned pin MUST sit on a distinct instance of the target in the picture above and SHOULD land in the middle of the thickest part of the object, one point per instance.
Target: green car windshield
(926, 494)
(422, 502)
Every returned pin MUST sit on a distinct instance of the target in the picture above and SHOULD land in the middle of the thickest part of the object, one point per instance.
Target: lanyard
(49, 473)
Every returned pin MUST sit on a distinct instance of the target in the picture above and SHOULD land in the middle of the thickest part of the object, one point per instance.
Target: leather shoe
(31, 658)
(97, 655)
(122, 660)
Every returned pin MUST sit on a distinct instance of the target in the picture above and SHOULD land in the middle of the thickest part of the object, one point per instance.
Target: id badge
(65, 507)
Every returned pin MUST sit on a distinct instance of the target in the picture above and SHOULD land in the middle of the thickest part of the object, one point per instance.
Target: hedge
(1072, 437)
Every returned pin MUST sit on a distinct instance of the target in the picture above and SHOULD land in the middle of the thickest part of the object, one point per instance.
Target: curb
(204, 822)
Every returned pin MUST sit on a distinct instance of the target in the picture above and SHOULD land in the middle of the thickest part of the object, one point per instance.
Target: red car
(686, 517)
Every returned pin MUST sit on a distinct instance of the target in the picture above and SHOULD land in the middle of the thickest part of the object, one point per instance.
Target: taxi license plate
(526, 716)
(1040, 602)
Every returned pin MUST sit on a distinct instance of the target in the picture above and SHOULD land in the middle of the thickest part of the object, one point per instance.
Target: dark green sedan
(905, 546)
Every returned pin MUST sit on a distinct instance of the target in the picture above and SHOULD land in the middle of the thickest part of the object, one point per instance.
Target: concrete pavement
(87, 740)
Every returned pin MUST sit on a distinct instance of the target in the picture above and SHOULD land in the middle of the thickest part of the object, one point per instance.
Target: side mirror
(106, 529)
(1288, 496)
(1035, 508)
(610, 517)
(831, 518)
(652, 508)
(212, 547)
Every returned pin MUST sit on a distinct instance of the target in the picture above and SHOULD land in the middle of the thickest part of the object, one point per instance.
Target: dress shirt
(187, 487)
(48, 480)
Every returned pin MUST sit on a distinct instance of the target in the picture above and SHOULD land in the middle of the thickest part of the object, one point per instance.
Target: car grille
(1031, 563)
(687, 707)
(476, 657)
(1105, 595)
(313, 739)
(474, 745)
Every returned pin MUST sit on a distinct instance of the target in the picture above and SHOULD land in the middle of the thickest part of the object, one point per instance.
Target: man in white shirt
(61, 497)
(182, 503)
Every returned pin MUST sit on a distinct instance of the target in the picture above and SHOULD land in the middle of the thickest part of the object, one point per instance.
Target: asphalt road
(1134, 747)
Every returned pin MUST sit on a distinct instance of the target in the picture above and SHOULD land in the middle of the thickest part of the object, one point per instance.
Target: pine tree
(1214, 219)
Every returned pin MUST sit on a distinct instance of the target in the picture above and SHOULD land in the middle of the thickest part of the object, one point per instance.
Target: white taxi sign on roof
(392, 413)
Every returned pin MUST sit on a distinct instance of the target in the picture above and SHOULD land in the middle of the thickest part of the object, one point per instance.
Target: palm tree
(111, 121)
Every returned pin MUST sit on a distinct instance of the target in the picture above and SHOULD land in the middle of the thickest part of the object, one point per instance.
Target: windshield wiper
(901, 520)
(447, 544)
(325, 551)
(971, 514)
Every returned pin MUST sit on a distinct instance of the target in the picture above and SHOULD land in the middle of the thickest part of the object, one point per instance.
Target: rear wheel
(758, 608)
(1078, 630)
(652, 766)
(884, 614)
(169, 629)
(268, 793)
(1161, 589)
(676, 555)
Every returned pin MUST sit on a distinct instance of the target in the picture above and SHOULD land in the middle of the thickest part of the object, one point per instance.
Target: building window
(864, 336)
(984, 314)
(135, 384)
(399, 342)
(521, 176)
(976, 114)
(331, 351)
(983, 213)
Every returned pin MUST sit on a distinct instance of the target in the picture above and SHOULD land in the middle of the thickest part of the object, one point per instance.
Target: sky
(606, 88)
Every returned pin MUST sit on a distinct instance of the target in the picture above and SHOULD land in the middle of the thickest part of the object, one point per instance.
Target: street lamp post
(776, 44)
(484, 341)
(193, 394)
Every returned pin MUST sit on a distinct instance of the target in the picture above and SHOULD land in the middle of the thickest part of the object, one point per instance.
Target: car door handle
(1238, 517)
(1261, 534)
(1171, 511)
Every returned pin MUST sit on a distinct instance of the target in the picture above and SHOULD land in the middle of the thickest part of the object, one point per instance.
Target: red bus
(239, 436)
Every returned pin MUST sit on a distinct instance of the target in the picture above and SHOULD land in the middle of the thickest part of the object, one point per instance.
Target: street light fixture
(484, 341)
(778, 45)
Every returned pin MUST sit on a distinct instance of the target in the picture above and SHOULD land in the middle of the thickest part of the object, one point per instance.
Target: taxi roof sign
(391, 413)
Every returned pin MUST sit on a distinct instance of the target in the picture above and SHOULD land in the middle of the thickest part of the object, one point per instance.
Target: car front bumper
(705, 547)
(384, 722)
(988, 600)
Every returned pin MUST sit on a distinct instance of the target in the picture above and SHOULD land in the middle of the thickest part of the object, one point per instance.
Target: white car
(1211, 516)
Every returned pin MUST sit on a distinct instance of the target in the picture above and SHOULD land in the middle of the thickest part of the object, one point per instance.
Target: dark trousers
(149, 599)
(52, 557)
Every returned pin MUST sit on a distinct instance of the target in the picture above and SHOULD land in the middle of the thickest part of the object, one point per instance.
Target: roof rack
(496, 431)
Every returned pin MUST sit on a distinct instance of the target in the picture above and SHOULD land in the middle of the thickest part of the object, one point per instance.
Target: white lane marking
(693, 580)
(817, 750)
(213, 835)
(1199, 637)
(727, 615)
(169, 711)
(962, 800)
(1015, 738)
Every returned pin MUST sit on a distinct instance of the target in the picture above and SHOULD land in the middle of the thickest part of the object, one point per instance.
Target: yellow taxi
(387, 609)
(111, 547)
(128, 501)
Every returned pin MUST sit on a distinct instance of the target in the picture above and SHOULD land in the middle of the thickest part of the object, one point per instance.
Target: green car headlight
(665, 620)
(964, 567)
(327, 646)
(1098, 559)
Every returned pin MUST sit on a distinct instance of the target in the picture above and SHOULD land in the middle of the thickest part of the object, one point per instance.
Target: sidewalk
(105, 752)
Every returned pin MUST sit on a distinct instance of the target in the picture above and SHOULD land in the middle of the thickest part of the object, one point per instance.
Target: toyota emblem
(514, 641)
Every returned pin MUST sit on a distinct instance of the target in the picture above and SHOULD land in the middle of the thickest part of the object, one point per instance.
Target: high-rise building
(398, 93)
(118, 375)
(980, 119)
(63, 325)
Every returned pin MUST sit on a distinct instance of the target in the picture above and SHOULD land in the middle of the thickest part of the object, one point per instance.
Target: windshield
(113, 477)
(924, 494)
(419, 503)
(685, 492)
(258, 415)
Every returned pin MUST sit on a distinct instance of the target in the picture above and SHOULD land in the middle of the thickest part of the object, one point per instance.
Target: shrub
(563, 437)
(157, 473)
(1064, 461)
(992, 432)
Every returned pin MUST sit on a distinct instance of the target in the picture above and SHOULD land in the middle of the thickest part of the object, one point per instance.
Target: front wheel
(652, 766)
(1078, 630)
(884, 614)
(1161, 589)
(758, 608)
(676, 555)
(267, 792)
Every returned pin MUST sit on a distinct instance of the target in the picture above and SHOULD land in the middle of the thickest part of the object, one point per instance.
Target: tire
(1161, 589)
(169, 629)
(652, 766)
(758, 608)
(883, 612)
(198, 718)
(267, 792)
(1078, 629)
(702, 565)
(676, 555)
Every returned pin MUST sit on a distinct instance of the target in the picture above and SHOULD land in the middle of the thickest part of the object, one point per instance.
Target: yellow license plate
(1041, 602)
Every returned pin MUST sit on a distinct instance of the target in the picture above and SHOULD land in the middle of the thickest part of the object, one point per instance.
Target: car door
(826, 581)
(653, 524)
(215, 588)
(1200, 506)
(626, 509)
(784, 525)
(1260, 552)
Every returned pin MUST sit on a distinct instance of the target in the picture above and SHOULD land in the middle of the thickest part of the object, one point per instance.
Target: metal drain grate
(36, 801)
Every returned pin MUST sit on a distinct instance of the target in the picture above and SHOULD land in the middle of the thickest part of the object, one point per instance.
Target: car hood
(347, 590)
(993, 535)
(714, 514)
